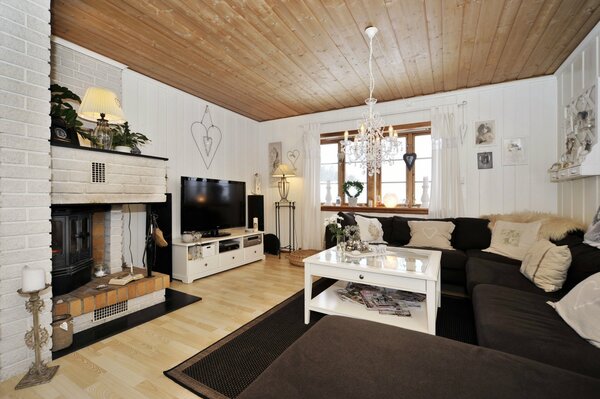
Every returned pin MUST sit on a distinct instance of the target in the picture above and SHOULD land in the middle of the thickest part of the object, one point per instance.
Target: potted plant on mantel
(124, 140)
(352, 189)
(65, 125)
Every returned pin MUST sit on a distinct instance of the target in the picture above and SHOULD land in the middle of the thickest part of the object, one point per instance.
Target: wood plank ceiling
(269, 59)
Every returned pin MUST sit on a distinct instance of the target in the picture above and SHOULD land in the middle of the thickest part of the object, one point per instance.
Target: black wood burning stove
(72, 260)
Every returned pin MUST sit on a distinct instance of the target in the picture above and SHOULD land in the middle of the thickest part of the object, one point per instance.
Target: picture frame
(275, 156)
(62, 135)
(485, 133)
(514, 151)
(485, 160)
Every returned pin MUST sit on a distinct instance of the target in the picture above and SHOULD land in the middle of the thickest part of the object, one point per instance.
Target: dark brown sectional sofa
(525, 349)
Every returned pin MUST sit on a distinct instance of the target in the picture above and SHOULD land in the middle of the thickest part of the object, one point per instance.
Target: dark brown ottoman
(347, 358)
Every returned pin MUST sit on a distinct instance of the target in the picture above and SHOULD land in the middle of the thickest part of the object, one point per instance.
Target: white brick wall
(24, 170)
(78, 71)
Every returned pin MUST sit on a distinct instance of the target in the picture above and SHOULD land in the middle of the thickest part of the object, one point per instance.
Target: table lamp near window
(283, 171)
(103, 106)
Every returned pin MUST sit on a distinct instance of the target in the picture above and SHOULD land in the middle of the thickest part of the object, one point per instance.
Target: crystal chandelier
(370, 145)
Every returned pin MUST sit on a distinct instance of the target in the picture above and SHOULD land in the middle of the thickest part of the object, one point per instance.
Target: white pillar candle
(33, 279)
(255, 224)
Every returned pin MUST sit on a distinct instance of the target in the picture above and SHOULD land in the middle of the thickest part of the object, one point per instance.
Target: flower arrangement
(335, 227)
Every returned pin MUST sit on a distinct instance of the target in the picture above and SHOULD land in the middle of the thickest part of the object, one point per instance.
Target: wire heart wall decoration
(207, 138)
(293, 156)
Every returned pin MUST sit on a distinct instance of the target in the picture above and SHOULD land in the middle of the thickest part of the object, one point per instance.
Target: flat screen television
(208, 205)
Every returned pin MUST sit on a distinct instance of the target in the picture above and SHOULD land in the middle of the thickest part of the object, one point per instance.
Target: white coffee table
(414, 270)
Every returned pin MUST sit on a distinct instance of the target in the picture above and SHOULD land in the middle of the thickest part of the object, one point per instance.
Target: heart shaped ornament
(207, 141)
(409, 159)
(293, 156)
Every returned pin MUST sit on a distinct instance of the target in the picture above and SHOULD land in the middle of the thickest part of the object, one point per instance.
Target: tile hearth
(84, 301)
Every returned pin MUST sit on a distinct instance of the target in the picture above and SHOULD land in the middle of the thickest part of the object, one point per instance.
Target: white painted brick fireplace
(24, 171)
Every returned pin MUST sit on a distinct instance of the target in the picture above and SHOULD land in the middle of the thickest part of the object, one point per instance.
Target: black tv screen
(209, 204)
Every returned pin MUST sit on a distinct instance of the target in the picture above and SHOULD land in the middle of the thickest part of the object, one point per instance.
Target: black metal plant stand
(291, 207)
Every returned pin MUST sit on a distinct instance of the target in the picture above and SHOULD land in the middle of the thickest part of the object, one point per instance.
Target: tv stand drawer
(231, 258)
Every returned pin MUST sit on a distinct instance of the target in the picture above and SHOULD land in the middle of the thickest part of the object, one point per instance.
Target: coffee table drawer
(382, 280)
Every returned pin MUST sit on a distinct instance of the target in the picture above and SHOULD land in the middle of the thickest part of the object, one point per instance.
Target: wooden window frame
(409, 131)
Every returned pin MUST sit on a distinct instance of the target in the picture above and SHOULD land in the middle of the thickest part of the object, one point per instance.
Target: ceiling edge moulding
(85, 51)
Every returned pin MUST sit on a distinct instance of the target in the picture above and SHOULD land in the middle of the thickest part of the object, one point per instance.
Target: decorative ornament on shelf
(207, 137)
(371, 145)
(390, 200)
(425, 195)
(257, 185)
(353, 189)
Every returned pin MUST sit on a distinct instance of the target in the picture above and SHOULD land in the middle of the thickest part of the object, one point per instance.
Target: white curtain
(446, 192)
(312, 225)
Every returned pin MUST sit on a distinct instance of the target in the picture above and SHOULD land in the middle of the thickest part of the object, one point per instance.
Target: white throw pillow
(546, 265)
(430, 233)
(580, 309)
(370, 229)
(513, 239)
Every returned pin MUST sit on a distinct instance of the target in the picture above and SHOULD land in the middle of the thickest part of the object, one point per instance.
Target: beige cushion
(430, 234)
(546, 265)
(370, 229)
(580, 309)
(513, 239)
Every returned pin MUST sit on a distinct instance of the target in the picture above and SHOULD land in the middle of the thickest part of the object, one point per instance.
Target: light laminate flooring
(131, 364)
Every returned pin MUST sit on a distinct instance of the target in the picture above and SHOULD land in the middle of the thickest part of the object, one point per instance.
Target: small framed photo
(485, 132)
(63, 135)
(485, 160)
(514, 151)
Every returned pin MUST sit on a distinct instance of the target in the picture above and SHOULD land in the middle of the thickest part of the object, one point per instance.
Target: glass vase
(340, 244)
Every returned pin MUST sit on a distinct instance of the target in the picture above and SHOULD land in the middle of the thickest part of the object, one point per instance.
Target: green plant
(123, 136)
(355, 186)
(61, 109)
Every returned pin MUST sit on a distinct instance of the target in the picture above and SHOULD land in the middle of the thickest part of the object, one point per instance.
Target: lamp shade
(284, 170)
(98, 100)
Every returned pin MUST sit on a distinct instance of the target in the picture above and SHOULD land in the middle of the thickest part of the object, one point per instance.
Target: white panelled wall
(524, 108)
(165, 115)
(578, 198)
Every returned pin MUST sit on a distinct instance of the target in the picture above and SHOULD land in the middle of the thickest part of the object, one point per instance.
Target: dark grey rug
(226, 368)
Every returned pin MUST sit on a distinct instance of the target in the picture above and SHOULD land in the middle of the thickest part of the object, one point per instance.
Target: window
(394, 178)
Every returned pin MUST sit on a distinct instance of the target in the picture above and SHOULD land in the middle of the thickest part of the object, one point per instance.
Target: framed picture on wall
(275, 154)
(485, 132)
(514, 151)
(485, 160)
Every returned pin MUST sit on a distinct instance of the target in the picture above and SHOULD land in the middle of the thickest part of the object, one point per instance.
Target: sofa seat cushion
(484, 271)
(348, 358)
(522, 323)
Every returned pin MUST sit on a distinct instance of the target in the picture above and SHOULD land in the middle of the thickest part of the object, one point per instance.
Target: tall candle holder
(35, 338)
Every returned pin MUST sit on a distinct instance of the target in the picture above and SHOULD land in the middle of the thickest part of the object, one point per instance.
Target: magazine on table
(383, 300)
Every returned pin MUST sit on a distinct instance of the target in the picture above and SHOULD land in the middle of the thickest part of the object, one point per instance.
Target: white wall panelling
(523, 108)
(165, 115)
(577, 198)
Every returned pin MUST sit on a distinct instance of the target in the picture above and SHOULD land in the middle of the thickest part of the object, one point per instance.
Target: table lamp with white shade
(101, 105)
(283, 171)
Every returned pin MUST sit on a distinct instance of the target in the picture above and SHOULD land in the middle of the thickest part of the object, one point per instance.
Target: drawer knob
(206, 264)
(361, 276)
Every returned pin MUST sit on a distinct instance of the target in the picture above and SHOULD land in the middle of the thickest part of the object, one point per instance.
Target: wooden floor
(131, 364)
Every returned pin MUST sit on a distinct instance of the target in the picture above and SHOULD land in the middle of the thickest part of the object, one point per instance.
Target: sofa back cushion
(585, 259)
(471, 233)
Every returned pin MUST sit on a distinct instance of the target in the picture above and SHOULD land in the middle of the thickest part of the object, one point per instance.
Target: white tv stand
(195, 260)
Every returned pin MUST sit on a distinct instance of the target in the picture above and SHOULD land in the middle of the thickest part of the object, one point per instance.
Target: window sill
(345, 208)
